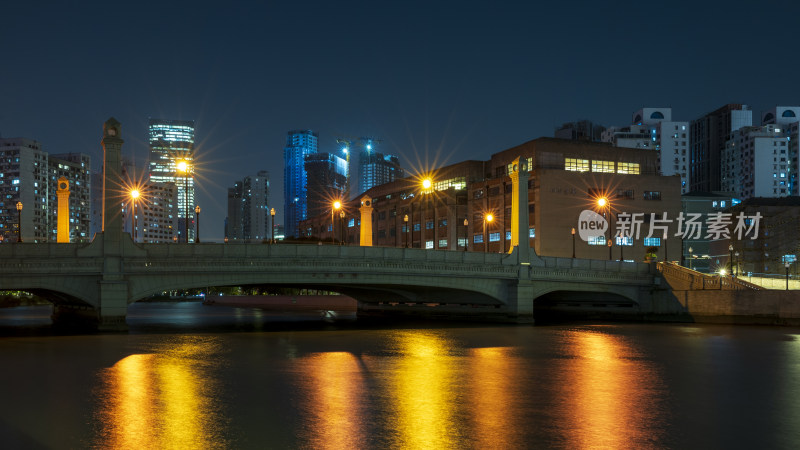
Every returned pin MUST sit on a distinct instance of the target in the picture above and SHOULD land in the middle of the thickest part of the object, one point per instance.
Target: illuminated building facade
(327, 181)
(299, 144)
(788, 117)
(248, 209)
(567, 177)
(376, 168)
(172, 142)
(24, 178)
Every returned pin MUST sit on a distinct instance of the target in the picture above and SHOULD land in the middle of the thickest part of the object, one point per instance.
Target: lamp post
(197, 223)
(736, 271)
(405, 224)
(721, 275)
(19, 221)
(573, 242)
(341, 216)
(134, 196)
(610, 243)
(337, 205)
(426, 186)
(730, 258)
(183, 167)
(665, 247)
(272, 228)
(786, 264)
(487, 218)
(466, 233)
(690, 257)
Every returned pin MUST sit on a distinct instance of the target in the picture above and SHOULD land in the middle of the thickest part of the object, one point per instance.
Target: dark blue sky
(437, 81)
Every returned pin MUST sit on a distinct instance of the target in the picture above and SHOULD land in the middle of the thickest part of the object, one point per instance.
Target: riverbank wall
(765, 307)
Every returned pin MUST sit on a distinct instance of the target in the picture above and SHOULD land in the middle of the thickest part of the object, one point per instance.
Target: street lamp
(19, 221)
(341, 216)
(183, 167)
(573, 242)
(466, 234)
(337, 205)
(610, 243)
(690, 257)
(665, 247)
(134, 196)
(722, 273)
(730, 258)
(487, 218)
(405, 224)
(272, 230)
(197, 224)
(736, 271)
(786, 264)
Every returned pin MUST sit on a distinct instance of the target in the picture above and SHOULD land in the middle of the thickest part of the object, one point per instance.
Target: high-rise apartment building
(24, 178)
(248, 209)
(582, 130)
(375, 168)
(156, 213)
(654, 129)
(299, 144)
(172, 161)
(788, 117)
(75, 167)
(327, 181)
(708, 137)
(755, 162)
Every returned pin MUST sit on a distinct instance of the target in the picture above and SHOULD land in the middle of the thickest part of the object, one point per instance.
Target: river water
(193, 376)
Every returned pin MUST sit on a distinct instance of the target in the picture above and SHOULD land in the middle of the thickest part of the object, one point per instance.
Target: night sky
(438, 82)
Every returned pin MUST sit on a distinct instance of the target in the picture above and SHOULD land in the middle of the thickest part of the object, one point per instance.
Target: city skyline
(439, 84)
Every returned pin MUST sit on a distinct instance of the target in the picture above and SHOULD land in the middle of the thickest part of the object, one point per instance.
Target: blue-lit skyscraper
(299, 144)
(375, 168)
(172, 141)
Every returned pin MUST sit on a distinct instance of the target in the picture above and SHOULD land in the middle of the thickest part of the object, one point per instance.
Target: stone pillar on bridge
(113, 286)
(519, 209)
(366, 221)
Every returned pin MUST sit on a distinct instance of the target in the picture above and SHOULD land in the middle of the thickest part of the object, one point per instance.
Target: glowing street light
(427, 183)
(337, 205)
(183, 167)
(19, 221)
(602, 202)
(272, 231)
(487, 219)
(405, 223)
(134, 196)
(573, 242)
(466, 233)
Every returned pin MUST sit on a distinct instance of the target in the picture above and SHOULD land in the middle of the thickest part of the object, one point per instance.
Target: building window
(652, 195)
(429, 225)
(404, 228)
(603, 166)
(508, 235)
(532, 232)
(381, 233)
(494, 237)
(478, 193)
(625, 194)
(477, 238)
(416, 227)
(442, 243)
(597, 240)
(442, 223)
(652, 242)
(628, 168)
(462, 242)
(576, 165)
(627, 240)
(351, 223)
(428, 244)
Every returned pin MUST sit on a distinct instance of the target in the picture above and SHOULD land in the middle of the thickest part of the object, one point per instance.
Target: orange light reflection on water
(334, 389)
(494, 375)
(160, 400)
(611, 398)
(423, 393)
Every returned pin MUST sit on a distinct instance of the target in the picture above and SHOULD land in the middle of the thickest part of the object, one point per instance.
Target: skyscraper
(248, 209)
(171, 144)
(327, 181)
(375, 168)
(24, 178)
(708, 137)
(299, 144)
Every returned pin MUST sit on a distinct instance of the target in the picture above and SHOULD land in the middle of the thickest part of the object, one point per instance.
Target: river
(193, 376)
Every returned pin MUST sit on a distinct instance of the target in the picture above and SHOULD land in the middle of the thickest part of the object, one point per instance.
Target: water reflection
(423, 393)
(610, 397)
(164, 399)
(494, 375)
(334, 390)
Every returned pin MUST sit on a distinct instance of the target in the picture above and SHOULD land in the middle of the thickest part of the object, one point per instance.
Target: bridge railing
(685, 278)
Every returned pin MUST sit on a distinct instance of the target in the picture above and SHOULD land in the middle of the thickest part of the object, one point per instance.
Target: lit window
(628, 168)
(478, 238)
(576, 165)
(442, 243)
(597, 240)
(652, 242)
(494, 237)
(531, 232)
(428, 244)
(627, 240)
(603, 166)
